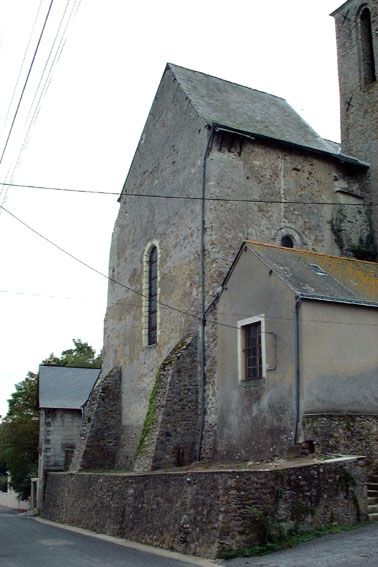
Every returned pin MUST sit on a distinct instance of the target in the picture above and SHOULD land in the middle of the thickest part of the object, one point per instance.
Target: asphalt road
(356, 548)
(25, 542)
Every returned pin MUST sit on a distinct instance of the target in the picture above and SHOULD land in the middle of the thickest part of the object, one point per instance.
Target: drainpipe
(297, 368)
(203, 311)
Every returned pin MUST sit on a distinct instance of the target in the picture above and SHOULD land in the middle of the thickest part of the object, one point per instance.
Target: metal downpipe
(203, 311)
(297, 369)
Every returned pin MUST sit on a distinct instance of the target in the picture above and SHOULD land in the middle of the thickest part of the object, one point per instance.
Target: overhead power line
(26, 81)
(163, 305)
(191, 198)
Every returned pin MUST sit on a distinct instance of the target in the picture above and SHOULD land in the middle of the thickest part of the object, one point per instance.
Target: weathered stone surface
(99, 436)
(206, 513)
(344, 434)
(358, 97)
(170, 431)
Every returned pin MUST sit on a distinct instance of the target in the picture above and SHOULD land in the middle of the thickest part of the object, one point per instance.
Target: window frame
(153, 244)
(242, 361)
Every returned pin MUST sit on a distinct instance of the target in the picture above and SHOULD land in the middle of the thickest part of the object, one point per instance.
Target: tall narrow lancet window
(367, 49)
(152, 296)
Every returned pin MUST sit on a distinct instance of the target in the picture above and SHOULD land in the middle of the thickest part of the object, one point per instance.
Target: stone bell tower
(357, 50)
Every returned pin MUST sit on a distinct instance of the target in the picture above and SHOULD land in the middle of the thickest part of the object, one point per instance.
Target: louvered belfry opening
(152, 297)
(368, 63)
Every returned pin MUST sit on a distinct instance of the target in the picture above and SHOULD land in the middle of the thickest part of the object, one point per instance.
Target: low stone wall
(207, 513)
(346, 435)
(10, 500)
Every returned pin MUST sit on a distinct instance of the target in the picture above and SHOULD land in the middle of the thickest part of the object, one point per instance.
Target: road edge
(190, 559)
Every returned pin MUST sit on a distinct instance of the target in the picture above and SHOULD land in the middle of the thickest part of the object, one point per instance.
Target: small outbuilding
(297, 339)
(62, 392)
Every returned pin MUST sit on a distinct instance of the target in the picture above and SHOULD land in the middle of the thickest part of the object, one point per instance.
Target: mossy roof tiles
(321, 276)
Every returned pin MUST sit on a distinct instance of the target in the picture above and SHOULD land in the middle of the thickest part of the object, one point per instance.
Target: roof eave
(340, 157)
(348, 301)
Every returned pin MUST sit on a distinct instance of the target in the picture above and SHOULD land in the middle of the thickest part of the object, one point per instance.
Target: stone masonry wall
(99, 436)
(61, 432)
(345, 434)
(170, 430)
(207, 513)
(358, 98)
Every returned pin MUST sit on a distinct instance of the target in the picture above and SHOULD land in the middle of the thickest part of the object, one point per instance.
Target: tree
(19, 435)
(19, 430)
(82, 356)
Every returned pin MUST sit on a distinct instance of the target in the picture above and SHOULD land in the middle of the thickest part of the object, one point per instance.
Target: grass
(291, 540)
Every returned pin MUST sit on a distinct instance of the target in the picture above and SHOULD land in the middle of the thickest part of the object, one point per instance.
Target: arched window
(151, 290)
(287, 241)
(152, 296)
(367, 50)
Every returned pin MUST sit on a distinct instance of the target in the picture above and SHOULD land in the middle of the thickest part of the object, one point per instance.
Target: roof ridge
(226, 81)
(308, 252)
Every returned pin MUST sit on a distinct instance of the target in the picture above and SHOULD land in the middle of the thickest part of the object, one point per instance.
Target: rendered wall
(339, 358)
(255, 417)
(207, 513)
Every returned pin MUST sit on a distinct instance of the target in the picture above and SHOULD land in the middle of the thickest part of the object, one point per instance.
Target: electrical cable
(182, 197)
(163, 305)
(26, 81)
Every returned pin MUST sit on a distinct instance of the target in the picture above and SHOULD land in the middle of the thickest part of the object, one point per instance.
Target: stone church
(218, 165)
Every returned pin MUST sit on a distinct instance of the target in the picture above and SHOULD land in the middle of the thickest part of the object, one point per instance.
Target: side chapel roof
(64, 387)
(312, 275)
(250, 111)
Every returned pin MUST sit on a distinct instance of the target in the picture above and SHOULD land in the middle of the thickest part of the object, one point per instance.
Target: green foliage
(82, 356)
(3, 467)
(3, 483)
(19, 435)
(150, 417)
(347, 481)
(291, 539)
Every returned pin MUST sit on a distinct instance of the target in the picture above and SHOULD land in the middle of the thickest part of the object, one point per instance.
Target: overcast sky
(92, 83)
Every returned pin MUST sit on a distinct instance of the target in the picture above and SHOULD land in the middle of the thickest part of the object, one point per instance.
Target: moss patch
(291, 539)
(150, 416)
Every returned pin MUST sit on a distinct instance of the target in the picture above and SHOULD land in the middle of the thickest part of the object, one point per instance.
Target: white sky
(82, 131)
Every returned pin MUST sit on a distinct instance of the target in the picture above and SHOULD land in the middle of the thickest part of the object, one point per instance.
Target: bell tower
(357, 51)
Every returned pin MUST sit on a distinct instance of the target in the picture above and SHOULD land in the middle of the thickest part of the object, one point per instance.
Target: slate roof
(324, 277)
(240, 108)
(63, 387)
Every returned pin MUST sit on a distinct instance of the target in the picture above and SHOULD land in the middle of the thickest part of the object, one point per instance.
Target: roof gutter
(328, 299)
(252, 135)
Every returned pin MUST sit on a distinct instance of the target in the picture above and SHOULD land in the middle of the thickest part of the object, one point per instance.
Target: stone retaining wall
(207, 513)
(346, 435)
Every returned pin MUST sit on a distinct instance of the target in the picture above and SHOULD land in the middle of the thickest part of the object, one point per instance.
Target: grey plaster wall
(255, 417)
(359, 119)
(207, 513)
(339, 358)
